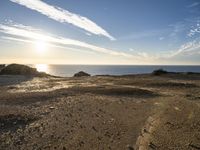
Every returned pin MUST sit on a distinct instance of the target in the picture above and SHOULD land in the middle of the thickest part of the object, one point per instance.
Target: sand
(100, 112)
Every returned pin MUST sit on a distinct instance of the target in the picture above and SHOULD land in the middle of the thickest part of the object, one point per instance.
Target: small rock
(64, 148)
(145, 130)
(94, 128)
(151, 145)
(51, 107)
(129, 147)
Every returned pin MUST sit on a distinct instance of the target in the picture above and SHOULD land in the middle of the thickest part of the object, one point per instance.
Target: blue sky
(100, 32)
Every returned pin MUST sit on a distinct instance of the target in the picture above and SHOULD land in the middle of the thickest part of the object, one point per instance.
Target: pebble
(129, 147)
(64, 148)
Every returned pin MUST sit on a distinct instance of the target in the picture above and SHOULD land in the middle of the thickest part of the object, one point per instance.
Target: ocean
(70, 70)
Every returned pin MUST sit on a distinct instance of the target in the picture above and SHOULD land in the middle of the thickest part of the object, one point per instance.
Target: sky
(129, 32)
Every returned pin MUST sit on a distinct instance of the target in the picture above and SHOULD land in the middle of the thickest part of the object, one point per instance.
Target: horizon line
(106, 64)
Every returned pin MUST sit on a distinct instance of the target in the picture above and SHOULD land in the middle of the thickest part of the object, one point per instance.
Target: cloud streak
(64, 16)
(195, 30)
(144, 34)
(192, 47)
(179, 56)
(29, 33)
(193, 4)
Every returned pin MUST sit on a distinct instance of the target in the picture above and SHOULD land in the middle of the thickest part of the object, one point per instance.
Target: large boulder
(81, 74)
(16, 69)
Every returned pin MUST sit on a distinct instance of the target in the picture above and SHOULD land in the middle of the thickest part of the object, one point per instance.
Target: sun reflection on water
(42, 68)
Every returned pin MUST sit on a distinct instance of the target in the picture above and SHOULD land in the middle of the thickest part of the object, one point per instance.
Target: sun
(41, 46)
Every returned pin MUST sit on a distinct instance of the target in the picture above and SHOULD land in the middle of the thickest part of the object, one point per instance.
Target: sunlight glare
(42, 67)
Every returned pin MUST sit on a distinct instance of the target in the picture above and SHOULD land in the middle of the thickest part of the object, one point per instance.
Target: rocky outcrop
(81, 74)
(2, 66)
(17, 69)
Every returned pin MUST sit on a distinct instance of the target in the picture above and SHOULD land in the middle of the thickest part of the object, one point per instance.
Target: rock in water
(81, 74)
(16, 69)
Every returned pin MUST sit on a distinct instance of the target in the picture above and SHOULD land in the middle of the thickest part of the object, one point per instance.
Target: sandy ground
(100, 113)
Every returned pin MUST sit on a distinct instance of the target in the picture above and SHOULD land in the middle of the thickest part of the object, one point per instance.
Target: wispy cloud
(170, 57)
(29, 33)
(144, 34)
(140, 54)
(195, 30)
(187, 49)
(64, 16)
(21, 40)
(161, 38)
(177, 29)
(193, 4)
(21, 33)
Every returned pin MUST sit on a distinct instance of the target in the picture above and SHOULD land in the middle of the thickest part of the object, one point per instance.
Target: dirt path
(174, 126)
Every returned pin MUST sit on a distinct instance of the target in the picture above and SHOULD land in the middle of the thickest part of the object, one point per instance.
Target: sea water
(70, 70)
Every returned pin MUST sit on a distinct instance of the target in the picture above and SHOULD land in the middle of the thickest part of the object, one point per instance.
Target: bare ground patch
(172, 85)
(12, 122)
(116, 91)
